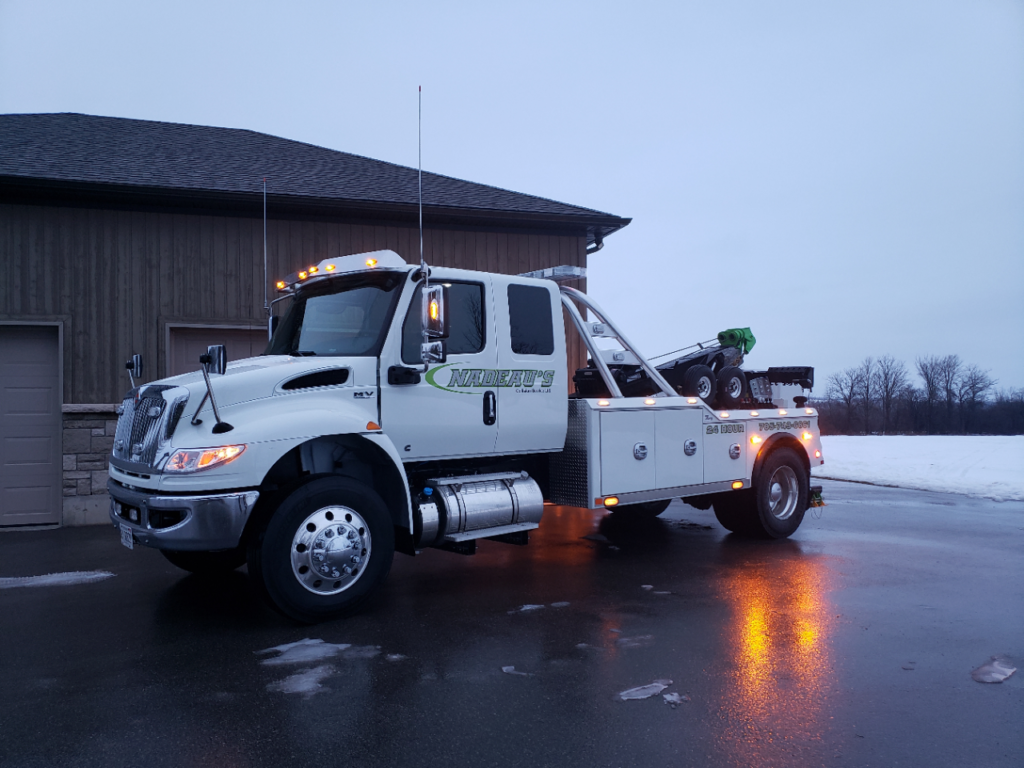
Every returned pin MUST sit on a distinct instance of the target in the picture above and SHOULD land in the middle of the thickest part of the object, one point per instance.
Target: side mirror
(272, 323)
(435, 313)
(134, 367)
(216, 359)
(432, 352)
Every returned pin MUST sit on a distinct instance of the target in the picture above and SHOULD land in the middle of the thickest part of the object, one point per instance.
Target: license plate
(126, 537)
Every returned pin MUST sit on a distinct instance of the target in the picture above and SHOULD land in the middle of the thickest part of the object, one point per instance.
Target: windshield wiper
(302, 353)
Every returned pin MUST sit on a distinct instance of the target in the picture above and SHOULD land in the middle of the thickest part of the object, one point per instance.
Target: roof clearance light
(806, 435)
(650, 401)
(303, 275)
(691, 400)
(281, 285)
(371, 262)
(313, 270)
(782, 411)
(330, 267)
(737, 484)
(611, 501)
(755, 439)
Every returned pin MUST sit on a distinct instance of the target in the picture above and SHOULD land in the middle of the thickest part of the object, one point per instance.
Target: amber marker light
(809, 411)
(330, 267)
(611, 501)
(281, 285)
(724, 415)
(650, 401)
(433, 310)
(806, 435)
(603, 402)
(691, 400)
(303, 275)
(371, 262)
(372, 425)
(313, 270)
(782, 411)
(754, 413)
(755, 439)
(737, 485)
(817, 454)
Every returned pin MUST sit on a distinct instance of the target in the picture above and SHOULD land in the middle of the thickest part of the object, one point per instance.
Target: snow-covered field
(992, 467)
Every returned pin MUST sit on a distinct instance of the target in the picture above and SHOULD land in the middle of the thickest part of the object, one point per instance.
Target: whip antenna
(266, 306)
(419, 141)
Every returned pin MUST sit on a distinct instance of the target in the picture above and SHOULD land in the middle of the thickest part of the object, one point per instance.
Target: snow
(54, 579)
(644, 691)
(995, 671)
(302, 652)
(974, 465)
(306, 682)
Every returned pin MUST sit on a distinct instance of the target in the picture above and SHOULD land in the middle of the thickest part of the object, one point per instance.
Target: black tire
(775, 506)
(699, 381)
(287, 554)
(648, 509)
(206, 563)
(732, 387)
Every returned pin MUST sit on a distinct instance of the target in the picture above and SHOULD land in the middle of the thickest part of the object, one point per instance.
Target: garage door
(30, 425)
(187, 344)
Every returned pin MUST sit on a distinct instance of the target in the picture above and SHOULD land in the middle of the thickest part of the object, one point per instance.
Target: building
(128, 236)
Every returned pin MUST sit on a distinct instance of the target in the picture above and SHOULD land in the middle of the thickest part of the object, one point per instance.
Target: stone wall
(88, 439)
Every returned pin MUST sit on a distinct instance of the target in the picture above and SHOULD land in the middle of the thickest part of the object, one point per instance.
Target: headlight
(202, 458)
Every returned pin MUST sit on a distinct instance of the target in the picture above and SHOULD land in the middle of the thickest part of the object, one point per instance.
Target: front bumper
(207, 522)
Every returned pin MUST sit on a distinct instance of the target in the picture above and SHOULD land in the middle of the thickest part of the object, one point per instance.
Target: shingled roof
(141, 159)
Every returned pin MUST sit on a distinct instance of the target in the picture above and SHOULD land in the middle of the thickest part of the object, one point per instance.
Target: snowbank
(992, 467)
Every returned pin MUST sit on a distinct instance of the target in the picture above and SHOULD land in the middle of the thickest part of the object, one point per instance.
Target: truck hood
(255, 378)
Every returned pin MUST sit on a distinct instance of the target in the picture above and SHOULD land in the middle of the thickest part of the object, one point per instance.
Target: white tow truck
(316, 461)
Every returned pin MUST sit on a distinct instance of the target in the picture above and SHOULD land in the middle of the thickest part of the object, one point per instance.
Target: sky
(846, 178)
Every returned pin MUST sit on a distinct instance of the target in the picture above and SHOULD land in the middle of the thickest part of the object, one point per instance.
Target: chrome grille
(145, 426)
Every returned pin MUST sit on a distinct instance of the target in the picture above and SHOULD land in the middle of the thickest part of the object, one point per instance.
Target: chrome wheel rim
(735, 388)
(330, 550)
(704, 388)
(783, 493)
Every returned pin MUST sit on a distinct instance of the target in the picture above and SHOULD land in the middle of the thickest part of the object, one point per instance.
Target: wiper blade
(302, 353)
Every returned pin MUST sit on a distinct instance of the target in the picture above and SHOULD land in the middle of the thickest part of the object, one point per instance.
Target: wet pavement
(851, 644)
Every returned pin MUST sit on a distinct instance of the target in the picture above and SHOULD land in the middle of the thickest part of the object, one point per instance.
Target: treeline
(939, 396)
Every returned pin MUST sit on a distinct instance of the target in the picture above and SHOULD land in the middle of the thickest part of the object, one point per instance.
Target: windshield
(345, 317)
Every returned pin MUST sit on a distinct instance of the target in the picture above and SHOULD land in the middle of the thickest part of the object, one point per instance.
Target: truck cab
(365, 430)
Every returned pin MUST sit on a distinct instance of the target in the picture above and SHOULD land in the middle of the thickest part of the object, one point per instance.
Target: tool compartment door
(627, 452)
(672, 430)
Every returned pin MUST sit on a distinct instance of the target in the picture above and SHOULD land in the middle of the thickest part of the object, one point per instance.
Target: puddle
(512, 671)
(312, 650)
(995, 671)
(644, 691)
(54, 579)
(563, 604)
(640, 641)
(526, 609)
(307, 682)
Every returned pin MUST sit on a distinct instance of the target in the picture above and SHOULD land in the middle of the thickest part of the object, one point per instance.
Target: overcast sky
(847, 178)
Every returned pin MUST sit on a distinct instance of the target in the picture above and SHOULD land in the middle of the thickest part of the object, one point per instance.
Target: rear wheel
(648, 509)
(732, 387)
(699, 381)
(325, 549)
(775, 506)
(206, 563)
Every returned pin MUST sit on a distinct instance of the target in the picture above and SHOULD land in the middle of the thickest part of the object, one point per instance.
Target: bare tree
(973, 385)
(928, 370)
(890, 379)
(949, 373)
(845, 388)
(866, 377)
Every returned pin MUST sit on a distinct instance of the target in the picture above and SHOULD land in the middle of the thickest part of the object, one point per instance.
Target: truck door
(451, 411)
(532, 381)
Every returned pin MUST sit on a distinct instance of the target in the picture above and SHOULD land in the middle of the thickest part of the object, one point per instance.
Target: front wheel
(325, 549)
(775, 506)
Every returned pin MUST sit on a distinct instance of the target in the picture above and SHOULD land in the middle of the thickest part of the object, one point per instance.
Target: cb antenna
(419, 141)
(266, 306)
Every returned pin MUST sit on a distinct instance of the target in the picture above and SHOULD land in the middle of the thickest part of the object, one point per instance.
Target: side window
(466, 313)
(529, 315)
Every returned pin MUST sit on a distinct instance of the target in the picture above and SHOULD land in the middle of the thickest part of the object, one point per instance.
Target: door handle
(490, 408)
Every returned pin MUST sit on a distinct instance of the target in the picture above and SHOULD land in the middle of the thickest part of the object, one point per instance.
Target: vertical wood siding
(116, 278)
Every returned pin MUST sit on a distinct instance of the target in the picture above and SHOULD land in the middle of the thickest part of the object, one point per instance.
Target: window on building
(529, 315)
(466, 322)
